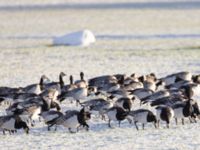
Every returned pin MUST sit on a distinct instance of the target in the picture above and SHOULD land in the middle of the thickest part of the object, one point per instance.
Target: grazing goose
(73, 119)
(99, 104)
(164, 113)
(81, 83)
(116, 114)
(36, 88)
(11, 123)
(142, 116)
(32, 108)
(125, 103)
(50, 116)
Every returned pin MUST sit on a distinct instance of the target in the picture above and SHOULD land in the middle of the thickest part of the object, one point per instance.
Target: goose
(185, 110)
(98, 104)
(7, 90)
(56, 85)
(14, 97)
(125, 103)
(141, 93)
(82, 82)
(76, 93)
(170, 79)
(49, 116)
(73, 119)
(100, 81)
(164, 113)
(191, 90)
(156, 95)
(70, 86)
(116, 114)
(11, 123)
(32, 108)
(142, 116)
(36, 88)
(133, 85)
(168, 101)
(121, 92)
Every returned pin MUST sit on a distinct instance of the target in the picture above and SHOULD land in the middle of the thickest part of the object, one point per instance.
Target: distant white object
(79, 38)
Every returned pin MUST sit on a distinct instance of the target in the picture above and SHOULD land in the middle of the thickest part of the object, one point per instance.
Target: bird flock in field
(108, 97)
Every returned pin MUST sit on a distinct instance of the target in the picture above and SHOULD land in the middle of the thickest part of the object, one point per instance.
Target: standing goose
(36, 88)
(116, 114)
(81, 83)
(11, 123)
(56, 85)
(142, 116)
(164, 113)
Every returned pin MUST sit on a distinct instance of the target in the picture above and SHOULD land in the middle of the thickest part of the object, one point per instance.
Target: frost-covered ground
(143, 40)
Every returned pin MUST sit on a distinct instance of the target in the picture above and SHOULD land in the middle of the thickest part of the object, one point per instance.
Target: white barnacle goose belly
(9, 124)
(141, 117)
(71, 122)
(112, 114)
(178, 112)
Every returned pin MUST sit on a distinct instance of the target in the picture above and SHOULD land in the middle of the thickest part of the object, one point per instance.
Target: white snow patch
(79, 38)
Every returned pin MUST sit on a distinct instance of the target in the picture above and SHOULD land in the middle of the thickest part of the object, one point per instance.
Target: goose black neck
(61, 81)
(41, 84)
(71, 79)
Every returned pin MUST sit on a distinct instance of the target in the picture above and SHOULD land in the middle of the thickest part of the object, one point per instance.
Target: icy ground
(146, 40)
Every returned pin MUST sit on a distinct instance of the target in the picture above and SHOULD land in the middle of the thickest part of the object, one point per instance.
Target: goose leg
(158, 123)
(176, 120)
(182, 121)
(119, 123)
(155, 125)
(109, 125)
(168, 125)
(48, 128)
(136, 125)
(143, 126)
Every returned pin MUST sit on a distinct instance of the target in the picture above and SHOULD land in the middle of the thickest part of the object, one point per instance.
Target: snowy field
(143, 40)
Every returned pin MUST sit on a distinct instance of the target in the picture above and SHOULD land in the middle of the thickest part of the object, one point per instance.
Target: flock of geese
(113, 97)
